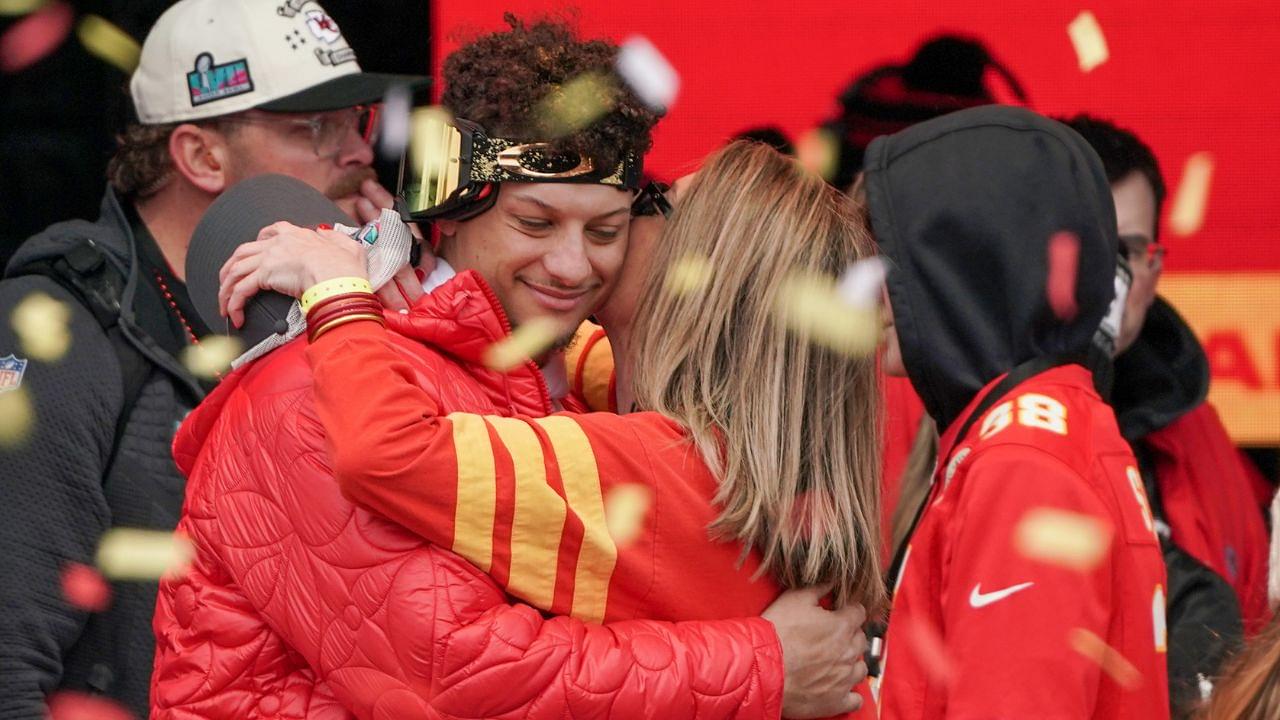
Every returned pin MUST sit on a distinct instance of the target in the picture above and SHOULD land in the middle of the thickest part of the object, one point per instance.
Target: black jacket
(58, 496)
(963, 207)
(1162, 377)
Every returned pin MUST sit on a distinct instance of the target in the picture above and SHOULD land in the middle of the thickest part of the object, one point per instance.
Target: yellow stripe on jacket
(538, 522)
(477, 490)
(581, 478)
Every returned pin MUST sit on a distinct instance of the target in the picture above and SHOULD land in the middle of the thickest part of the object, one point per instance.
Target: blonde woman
(752, 468)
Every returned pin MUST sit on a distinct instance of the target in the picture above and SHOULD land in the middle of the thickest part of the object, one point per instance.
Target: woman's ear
(201, 156)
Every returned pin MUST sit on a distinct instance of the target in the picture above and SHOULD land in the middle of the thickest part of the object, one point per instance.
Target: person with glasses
(344, 611)
(1210, 522)
(225, 90)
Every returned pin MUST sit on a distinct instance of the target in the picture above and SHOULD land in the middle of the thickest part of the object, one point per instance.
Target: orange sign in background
(1237, 318)
(1196, 80)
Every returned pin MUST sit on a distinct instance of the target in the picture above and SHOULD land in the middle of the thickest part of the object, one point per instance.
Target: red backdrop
(1188, 76)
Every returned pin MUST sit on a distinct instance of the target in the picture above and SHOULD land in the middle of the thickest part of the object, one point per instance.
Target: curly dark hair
(499, 80)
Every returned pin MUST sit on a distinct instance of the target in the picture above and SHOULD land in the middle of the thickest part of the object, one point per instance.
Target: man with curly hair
(224, 91)
(301, 603)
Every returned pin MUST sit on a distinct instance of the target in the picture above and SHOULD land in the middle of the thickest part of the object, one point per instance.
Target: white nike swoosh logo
(980, 599)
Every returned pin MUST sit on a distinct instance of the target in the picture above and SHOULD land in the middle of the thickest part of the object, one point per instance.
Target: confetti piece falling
(20, 7)
(84, 588)
(40, 323)
(35, 36)
(1062, 538)
(395, 115)
(102, 38)
(136, 554)
(927, 644)
(69, 705)
(1090, 44)
(818, 151)
(690, 274)
(576, 104)
(530, 340)
(1064, 261)
(644, 69)
(429, 154)
(1187, 215)
(17, 415)
(212, 356)
(810, 306)
(861, 285)
(1108, 658)
(625, 508)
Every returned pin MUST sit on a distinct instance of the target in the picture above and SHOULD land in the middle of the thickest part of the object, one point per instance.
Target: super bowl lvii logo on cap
(210, 81)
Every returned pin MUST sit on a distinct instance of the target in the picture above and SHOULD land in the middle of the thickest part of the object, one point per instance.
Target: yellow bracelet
(332, 287)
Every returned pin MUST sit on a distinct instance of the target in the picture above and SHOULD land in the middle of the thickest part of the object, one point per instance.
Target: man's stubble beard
(349, 183)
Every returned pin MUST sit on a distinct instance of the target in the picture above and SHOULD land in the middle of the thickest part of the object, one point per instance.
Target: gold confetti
(102, 38)
(40, 323)
(16, 418)
(818, 151)
(1063, 538)
(688, 275)
(1108, 658)
(812, 306)
(137, 554)
(529, 341)
(212, 356)
(1187, 215)
(1091, 45)
(576, 104)
(625, 508)
(20, 7)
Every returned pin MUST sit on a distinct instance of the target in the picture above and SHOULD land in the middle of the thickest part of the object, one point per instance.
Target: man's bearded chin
(349, 184)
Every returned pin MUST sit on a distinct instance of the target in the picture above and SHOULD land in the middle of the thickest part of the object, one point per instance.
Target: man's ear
(201, 156)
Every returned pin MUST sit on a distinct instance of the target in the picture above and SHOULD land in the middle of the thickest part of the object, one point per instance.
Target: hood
(963, 208)
(1164, 375)
(110, 232)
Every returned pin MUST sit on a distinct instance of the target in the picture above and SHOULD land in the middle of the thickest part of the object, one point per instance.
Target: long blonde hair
(789, 427)
(1249, 688)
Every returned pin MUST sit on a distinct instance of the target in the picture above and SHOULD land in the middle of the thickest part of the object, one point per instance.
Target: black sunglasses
(652, 200)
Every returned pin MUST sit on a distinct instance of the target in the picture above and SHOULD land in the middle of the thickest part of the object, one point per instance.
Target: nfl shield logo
(11, 370)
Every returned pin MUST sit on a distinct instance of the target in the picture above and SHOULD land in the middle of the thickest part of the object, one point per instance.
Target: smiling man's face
(546, 249)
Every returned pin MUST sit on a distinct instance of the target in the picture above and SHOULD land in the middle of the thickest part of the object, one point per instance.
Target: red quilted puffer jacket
(301, 605)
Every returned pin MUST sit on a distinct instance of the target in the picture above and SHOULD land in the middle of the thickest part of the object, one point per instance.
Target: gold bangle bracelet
(343, 321)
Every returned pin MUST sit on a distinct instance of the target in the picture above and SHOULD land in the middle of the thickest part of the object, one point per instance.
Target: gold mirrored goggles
(450, 166)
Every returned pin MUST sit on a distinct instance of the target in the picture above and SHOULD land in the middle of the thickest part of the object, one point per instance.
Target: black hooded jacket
(1164, 375)
(963, 208)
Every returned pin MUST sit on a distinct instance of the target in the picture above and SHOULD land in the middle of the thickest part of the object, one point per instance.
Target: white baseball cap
(205, 58)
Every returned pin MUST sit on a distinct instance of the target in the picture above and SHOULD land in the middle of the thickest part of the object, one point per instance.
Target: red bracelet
(343, 320)
(363, 305)
(340, 298)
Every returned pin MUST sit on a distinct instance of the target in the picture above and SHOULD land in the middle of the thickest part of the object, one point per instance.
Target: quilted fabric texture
(302, 605)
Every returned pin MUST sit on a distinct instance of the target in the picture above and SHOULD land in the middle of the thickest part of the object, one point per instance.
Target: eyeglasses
(1137, 248)
(652, 200)
(329, 131)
